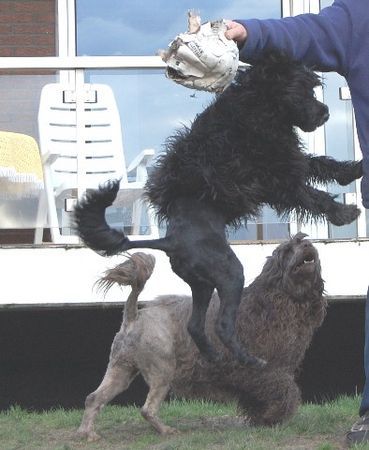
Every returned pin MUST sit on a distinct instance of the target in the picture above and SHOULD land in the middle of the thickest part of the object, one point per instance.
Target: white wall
(55, 275)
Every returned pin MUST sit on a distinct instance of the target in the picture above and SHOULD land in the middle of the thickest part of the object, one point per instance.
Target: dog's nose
(326, 116)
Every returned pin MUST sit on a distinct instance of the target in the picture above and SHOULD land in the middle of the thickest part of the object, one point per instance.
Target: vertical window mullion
(67, 27)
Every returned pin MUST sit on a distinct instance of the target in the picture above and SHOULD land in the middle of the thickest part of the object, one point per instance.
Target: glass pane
(147, 118)
(152, 107)
(27, 29)
(44, 136)
(325, 3)
(339, 143)
(125, 27)
(21, 177)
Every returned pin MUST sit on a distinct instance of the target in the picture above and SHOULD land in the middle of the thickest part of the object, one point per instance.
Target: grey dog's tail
(92, 228)
(134, 272)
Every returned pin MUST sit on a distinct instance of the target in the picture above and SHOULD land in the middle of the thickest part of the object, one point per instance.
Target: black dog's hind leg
(202, 257)
(324, 169)
(230, 291)
(229, 284)
(201, 296)
(205, 267)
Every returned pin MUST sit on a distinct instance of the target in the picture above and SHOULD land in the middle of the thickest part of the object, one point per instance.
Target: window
(124, 27)
(28, 29)
(152, 107)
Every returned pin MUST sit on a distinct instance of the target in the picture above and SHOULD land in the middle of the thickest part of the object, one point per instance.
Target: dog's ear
(274, 58)
(298, 237)
(271, 68)
(269, 72)
(274, 62)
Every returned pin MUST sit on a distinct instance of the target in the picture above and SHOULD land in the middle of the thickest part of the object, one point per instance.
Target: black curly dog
(242, 152)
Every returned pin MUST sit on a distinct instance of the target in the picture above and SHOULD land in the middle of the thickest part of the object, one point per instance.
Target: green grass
(201, 426)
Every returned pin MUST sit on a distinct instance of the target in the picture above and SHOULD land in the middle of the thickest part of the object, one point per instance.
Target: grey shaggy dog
(278, 315)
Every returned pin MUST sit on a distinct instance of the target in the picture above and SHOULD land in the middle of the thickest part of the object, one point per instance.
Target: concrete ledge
(120, 304)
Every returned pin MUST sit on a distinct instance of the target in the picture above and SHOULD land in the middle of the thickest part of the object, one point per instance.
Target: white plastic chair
(99, 147)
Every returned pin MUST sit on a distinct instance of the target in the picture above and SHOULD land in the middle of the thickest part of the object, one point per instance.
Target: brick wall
(27, 28)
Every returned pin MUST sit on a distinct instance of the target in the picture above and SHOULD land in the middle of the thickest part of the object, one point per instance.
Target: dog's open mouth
(307, 261)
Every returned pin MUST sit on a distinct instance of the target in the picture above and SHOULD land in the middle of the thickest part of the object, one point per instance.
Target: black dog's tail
(92, 228)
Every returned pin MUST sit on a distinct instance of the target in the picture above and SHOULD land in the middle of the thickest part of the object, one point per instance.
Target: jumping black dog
(241, 152)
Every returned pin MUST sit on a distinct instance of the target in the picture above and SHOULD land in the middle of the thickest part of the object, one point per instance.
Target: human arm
(320, 40)
(236, 32)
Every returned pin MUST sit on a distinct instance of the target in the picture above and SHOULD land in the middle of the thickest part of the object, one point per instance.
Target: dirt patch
(129, 436)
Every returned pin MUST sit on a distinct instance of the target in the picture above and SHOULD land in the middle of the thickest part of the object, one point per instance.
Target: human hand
(236, 32)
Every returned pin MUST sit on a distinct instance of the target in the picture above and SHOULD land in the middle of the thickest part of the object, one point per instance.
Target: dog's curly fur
(278, 315)
(241, 153)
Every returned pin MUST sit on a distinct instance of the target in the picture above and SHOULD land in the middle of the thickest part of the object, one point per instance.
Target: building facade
(82, 42)
(50, 316)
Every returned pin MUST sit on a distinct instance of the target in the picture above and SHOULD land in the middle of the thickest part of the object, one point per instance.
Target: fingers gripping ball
(202, 58)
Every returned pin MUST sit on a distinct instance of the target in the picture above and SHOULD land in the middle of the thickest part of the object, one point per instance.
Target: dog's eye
(313, 93)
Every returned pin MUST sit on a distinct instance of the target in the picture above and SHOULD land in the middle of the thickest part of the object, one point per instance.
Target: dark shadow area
(52, 358)
(56, 357)
(333, 364)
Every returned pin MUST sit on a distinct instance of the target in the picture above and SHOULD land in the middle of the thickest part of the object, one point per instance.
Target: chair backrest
(98, 123)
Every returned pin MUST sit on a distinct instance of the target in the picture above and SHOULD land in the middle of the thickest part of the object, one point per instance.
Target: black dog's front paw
(351, 172)
(344, 215)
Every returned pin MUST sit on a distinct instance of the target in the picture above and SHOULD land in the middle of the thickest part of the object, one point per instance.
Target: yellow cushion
(20, 165)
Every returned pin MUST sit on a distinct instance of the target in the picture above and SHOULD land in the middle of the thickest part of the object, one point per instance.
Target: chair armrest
(49, 158)
(139, 164)
(142, 158)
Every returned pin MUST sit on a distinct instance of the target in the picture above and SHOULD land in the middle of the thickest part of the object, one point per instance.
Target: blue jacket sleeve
(321, 41)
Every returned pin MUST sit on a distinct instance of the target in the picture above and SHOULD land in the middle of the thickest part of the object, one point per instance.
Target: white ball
(205, 60)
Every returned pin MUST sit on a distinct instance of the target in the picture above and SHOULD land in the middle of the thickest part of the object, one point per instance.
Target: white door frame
(315, 142)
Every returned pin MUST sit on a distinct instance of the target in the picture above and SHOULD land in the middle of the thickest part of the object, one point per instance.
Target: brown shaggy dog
(278, 315)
